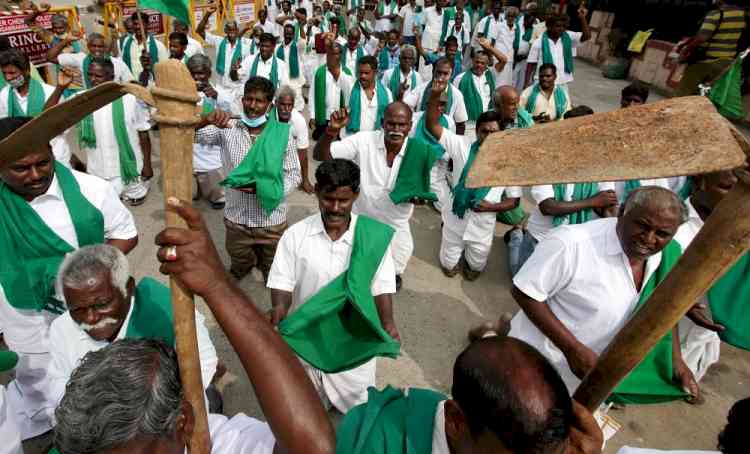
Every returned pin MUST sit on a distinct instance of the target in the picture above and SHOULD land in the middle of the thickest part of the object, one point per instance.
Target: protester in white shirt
(545, 97)
(504, 44)
(386, 12)
(194, 47)
(354, 49)
(338, 86)
(458, 28)
(234, 46)
(561, 42)
(133, 50)
(25, 316)
(97, 47)
(264, 63)
(417, 97)
(433, 28)
(489, 26)
(285, 101)
(408, 12)
(483, 84)
(290, 50)
(268, 25)
(374, 97)
(583, 283)
(406, 77)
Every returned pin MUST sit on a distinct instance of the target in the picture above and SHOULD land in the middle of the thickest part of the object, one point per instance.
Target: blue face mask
(254, 122)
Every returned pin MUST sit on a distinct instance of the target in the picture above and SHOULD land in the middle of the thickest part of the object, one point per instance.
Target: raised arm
(585, 30)
(286, 396)
(492, 50)
(432, 114)
(322, 150)
(57, 49)
(201, 28)
(63, 82)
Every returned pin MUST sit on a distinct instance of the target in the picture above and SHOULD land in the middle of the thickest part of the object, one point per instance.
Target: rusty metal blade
(55, 120)
(679, 136)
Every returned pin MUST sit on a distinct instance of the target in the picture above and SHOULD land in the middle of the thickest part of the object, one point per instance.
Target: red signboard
(22, 38)
(155, 24)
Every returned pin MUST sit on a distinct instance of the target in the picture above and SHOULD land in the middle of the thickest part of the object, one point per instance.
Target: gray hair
(497, 97)
(199, 62)
(409, 47)
(285, 90)
(82, 267)
(126, 391)
(655, 197)
(94, 35)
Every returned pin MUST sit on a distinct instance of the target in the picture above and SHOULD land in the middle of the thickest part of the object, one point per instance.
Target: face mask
(254, 122)
(17, 82)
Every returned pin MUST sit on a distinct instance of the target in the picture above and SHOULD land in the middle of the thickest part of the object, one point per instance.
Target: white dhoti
(402, 246)
(471, 236)
(519, 75)
(504, 77)
(343, 390)
(297, 84)
(27, 395)
(10, 435)
(700, 347)
(439, 183)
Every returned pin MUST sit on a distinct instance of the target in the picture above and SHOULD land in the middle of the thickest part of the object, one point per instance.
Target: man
(25, 96)
(476, 86)
(97, 47)
(178, 46)
(354, 50)
(48, 211)
(582, 284)
(388, 54)
(545, 101)
(194, 47)
(558, 46)
(403, 78)
(361, 22)
(60, 32)
(491, 377)
(290, 52)
(459, 30)
(313, 255)
(255, 215)
(231, 48)
(408, 13)
(207, 167)
(506, 101)
(451, 53)
(634, 94)
(330, 89)
(505, 43)
(9, 432)
(522, 39)
(417, 97)
(264, 63)
(141, 53)
(266, 24)
(285, 101)
(489, 26)
(433, 28)
(105, 305)
(145, 368)
(115, 139)
(386, 14)
(714, 47)
(368, 99)
(469, 215)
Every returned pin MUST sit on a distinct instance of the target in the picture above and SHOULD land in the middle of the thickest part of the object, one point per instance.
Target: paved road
(434, 313)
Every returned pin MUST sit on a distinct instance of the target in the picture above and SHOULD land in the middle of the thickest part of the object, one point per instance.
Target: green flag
(179, 9)
(726, 92)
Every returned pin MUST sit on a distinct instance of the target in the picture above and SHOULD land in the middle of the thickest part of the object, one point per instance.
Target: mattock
(681, 136)
(175, 97)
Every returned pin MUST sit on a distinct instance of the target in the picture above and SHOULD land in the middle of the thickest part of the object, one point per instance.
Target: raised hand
(64, 77)
(339, 119)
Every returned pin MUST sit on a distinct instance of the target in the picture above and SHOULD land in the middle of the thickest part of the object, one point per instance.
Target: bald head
(506, 100)
(506, 387)
(398, 108)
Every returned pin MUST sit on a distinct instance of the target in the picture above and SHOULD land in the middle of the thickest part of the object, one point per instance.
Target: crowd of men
(395, 109)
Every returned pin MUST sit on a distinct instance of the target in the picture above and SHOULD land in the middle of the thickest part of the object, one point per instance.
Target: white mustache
(395, 136)
(103, 323)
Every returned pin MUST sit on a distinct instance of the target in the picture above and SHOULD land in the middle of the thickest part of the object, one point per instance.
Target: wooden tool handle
(724, 238)
(175, 96)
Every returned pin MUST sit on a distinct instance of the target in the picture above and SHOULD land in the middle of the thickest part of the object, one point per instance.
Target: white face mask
(17, 82)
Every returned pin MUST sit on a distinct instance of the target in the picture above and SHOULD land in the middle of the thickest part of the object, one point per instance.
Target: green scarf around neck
(581, 191)
(523, 119)
(32, 252)
(413, 179)
(355, 106)
(394, 83)
(465, 199)
(517, 36)
(472, 98)
(561, 100)
(345, 56)
(567, 44)
(384, 60)
(128, 164)
(426, 97)
(486, 29)
(221, 55)
(34, 102)
(392, 8)
(652, 380)
(153, 52)
(152, 315)
(293, 58)
(264, 165)
(728, 301)
(338, 328)
(320, 94)
(448, 15)
(391, 421)
(274, 75)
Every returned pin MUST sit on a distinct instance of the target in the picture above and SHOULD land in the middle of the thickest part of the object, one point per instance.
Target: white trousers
(519, 76)
(439, 183)
(700, 347)
(27, 395)
(402, 247)
(10, 435)
(452, 245)
(343, 390)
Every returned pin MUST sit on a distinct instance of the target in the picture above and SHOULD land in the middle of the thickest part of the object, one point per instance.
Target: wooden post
(724, 238)
(176, 96)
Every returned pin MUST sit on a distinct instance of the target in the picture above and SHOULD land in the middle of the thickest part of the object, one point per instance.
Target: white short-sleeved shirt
(407, 14)
(300, 131)
(104, 161)
(215, 42)
(558, 58)
(457, 110)
(475, 226)
(298, 81)
(367, 149)
(433, 27)
(69, 343)
(386, 79)
(264, 68)
(307, 260)
(463, 36)
(271, 27)
(348, 56)
(369, 111)
(26, 330)
(122, 72)
(542, 105)
(334, 89)
(384, 25)
(540, 225)
(480, 83)
(194, 47)
(493, 30)
(582, 273)
(240, 434)
(674, 184)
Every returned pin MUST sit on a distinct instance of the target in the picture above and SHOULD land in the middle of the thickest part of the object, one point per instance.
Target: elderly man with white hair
(402, 78)
(105, 305)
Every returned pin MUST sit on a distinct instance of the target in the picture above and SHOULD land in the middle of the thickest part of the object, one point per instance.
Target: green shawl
(221, 55)
(392, 7)
(472, 98)
(274, 75)
(394, 83)
(152, 315)
(581, 191)
(320, 94)
(390, 422)
(561, 100)
(264, 165)
(128, 166)
(345, 52)
(426, 97)
(153, 51)
(413, 179)
(465, 199)
(567, 51)
(517, 37)
(355, 106)
(523, 119)
(35, 100)
(652, 380)
(293, 58)
(32, 252)
(448, 15)
(486, 29)
(339, 328)
(384, 60)
(728, 299)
